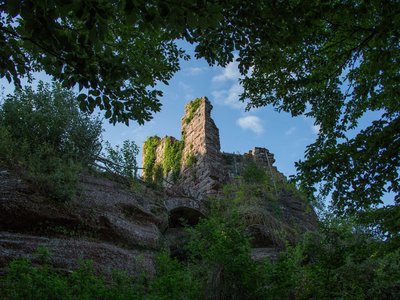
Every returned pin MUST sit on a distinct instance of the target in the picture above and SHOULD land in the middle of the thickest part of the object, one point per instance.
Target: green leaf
(82, 97)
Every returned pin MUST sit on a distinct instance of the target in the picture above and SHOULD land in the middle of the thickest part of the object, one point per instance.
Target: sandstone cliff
(106, 223)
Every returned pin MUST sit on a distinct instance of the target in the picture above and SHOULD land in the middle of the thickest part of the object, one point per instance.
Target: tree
(333, 61)
(50, 116)
(122, 160)
(45, 136)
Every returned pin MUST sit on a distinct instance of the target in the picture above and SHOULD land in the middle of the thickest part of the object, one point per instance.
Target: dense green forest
(294, 55)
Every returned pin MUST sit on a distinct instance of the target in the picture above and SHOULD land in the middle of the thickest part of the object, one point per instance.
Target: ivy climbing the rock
(149, 154)
(192, 107)
(172, 157)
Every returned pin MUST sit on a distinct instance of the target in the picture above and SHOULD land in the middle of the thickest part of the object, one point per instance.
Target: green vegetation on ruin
(192, 107)
(171, 159)
(149, 154)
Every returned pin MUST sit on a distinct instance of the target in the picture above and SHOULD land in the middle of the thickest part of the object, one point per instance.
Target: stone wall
(235, 164)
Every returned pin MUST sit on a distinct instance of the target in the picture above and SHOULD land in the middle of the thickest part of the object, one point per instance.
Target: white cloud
(252, 123)
(195, 70)
(316, 128)
(184, 86)
(230, 72)
(290, 131)
(230, 97)
(187, 91)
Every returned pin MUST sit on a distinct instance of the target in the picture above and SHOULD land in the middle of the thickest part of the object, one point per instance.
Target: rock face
(106, 223)
(66, 253)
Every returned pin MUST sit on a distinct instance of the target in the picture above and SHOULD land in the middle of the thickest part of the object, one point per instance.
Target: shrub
(337, 261)
(53, 174)
(174, 280)
(50, 115)
(27, 281)
(254, 174)
(45, 133)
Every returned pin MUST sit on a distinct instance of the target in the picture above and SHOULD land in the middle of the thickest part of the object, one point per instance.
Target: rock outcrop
(106, 223)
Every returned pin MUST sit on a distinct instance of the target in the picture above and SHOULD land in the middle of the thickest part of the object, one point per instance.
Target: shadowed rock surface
(106, 223)
(66, 254)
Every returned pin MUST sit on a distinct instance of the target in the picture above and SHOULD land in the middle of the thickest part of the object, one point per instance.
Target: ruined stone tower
(194, 166)
(202, 168)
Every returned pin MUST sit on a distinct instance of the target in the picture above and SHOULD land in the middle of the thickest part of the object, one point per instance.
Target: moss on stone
(192, 107)
(170, 160)
(172, 157)
(149, 154)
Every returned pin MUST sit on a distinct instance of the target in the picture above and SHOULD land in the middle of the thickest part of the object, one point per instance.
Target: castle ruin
(203, 168)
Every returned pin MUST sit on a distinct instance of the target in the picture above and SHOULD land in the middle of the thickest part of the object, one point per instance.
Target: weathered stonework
(201, 169)
(235, 164)
(278, 215)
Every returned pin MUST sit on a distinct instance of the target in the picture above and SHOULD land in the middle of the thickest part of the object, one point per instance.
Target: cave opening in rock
(182, 216)
(260, 237)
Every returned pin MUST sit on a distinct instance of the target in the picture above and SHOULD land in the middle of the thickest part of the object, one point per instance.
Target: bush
(337, 261)
(45, 133)
(174, 280)
(53, 174)
(254, 174)
(26, 281)
(219, 248)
